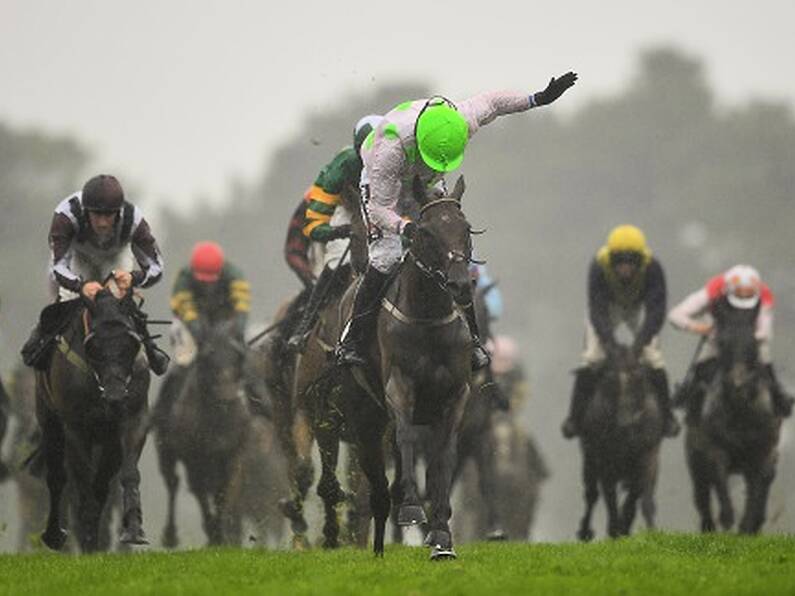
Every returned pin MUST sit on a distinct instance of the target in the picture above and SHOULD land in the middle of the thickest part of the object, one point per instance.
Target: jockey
(419, 140)
(209, 291)
(740, 287)
(328, 220)
(95, 233)
(624, 279)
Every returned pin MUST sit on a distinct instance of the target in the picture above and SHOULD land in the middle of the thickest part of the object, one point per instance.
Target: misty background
(696, 152)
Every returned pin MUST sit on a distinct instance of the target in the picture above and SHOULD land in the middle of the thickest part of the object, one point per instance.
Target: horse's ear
(459, 188)
(418, 191)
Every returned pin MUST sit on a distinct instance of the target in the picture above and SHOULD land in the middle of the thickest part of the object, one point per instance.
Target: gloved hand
(555, 89)
(409, 230)
(343, 231)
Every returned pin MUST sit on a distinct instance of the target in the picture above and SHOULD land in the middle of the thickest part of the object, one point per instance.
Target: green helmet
(442, 134)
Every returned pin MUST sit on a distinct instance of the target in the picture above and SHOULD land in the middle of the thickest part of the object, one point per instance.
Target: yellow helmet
(627, 238)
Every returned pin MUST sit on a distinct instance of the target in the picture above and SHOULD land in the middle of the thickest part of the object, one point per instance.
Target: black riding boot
(365, 309)
(584, 387)
(782, 402)
(659, 382)
(690, 395)
(480, 357)
(300, 335)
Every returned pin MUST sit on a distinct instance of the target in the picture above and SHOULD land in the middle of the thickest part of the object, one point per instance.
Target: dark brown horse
(738, 431)
(91, 405)
(420, 373)
(620, 444)
(207, 430)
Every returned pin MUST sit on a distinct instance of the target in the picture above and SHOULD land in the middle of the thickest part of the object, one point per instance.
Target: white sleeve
(764, 324)
(484, 108)
(684, 314)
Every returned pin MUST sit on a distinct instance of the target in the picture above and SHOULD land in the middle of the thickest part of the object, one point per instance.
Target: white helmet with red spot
(743, 286)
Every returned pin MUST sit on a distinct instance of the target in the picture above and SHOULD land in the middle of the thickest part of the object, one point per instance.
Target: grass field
(645, 564)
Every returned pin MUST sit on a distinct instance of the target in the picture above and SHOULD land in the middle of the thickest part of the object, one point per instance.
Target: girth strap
(403, 318)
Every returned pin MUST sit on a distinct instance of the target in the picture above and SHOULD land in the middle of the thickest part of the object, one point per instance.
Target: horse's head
(442, 247)
(738, 350)
(111, 344)
(220, 360)
(625, 379)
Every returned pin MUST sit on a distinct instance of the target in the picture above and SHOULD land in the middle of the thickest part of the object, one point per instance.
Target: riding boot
(690, 394)
(659, 382)
(782, 402)
(480, 357)
(363, 317)
(300, 335)
(584, 387)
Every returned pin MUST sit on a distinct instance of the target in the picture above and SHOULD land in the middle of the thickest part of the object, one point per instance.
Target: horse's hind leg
(487, 482)
(167, 463)
(591, 481)
(53, 446)
(109, 464)
(301, 477)
(82, 477)
(701, 475)
(726, 514)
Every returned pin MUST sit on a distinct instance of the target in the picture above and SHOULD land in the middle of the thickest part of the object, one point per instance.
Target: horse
(419, 373)
(620, 442)
(738, 431)
(91, 406)
(305, 395)
(207, 430)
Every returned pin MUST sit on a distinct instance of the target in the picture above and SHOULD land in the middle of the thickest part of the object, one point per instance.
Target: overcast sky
(176, 95)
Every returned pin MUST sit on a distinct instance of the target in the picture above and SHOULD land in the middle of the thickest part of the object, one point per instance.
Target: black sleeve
(654, 303)
(147, 253)
(598, 303)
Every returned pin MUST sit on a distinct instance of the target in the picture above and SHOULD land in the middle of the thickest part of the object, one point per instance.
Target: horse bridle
(453, 257)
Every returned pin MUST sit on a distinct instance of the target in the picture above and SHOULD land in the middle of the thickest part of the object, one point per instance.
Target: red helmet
(206, 261)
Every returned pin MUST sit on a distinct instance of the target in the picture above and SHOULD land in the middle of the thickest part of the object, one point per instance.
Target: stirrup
(158, 359)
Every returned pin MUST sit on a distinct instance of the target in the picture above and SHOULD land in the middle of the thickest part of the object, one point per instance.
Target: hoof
(294, 513)
(443, 553)
(497, 535)
(54, 540)
(410, 515)
(133, 536)
(585, 534)
(170, 539)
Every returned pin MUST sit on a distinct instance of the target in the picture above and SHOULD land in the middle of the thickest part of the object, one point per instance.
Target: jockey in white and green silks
(423, 140)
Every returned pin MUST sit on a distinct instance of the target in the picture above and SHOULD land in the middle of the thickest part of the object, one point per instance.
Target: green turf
(645, 564)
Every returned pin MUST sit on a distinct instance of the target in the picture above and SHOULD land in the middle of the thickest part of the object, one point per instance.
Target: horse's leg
(726, 514)
(328, 487)
(635, 488)
(609, 490)
(368, 423)
(701, 471)
(167, 463)
(487, 482)
(301, 476)
(758, 482)
(439, 476)
(80, 465)
(227, 500)
(133, 438)
(401, 401)
(591, 481)
(396, 490)
(107, 468)
(53, 446)
(358, 508)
